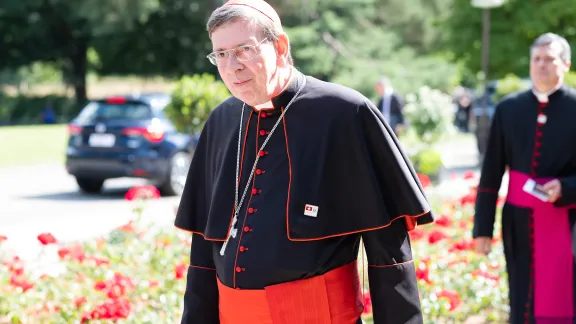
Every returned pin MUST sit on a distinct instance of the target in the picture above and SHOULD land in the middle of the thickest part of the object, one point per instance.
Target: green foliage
(428, 162)
(509, 84)
(193, 99)
(347, 44)
(570, 79)
(514, 26)
(512, 83)
(171, 42)
(28, 110)
(429, 113)
(35, 73)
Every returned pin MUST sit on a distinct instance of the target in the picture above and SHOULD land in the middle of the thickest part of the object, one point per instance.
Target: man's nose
(233, 63)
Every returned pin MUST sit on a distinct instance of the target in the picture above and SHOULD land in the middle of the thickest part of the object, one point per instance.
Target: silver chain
(238, 205)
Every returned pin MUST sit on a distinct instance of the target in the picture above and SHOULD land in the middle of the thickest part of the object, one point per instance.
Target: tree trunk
(78, 60)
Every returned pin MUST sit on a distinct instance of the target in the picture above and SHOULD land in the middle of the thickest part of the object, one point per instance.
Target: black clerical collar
(296, 80)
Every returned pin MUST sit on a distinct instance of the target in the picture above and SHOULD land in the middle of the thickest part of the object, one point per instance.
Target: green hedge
(22, 110)
(512, 83)
(193, 99)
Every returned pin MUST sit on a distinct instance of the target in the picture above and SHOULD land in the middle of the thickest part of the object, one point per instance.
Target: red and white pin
(311, 210)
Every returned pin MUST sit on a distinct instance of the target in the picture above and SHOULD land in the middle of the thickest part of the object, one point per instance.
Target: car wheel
(90, 186)
(179, 164)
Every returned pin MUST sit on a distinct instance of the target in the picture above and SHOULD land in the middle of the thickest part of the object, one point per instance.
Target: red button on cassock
(263, 115)
(258, 171)
(250, 210)
(247, 229)
(262, 153)
(262, 132)
(254, 191)
(242, 249)
(238, 269)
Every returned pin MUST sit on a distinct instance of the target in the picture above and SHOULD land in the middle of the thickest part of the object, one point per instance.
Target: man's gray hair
(551, 38)
(227, 14)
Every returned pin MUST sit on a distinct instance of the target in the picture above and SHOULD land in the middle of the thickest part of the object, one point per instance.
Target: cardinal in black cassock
(314, 170)
(533, 137)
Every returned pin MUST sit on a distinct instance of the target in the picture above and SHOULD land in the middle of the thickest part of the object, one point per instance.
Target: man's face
(546, 66)
(249, 81)
(379, 89)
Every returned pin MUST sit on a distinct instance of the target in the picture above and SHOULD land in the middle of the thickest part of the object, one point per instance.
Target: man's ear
(567, 64)
(283, 49)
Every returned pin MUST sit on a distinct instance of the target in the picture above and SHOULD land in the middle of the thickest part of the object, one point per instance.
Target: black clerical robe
(532, 140)
(332, 151)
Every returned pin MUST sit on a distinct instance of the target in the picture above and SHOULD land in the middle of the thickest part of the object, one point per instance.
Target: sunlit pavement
(45, 198)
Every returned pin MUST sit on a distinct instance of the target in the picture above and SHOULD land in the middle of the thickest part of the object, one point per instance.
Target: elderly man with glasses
(290, 175)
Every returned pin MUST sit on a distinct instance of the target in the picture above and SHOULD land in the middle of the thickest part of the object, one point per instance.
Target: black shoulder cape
(344, 158)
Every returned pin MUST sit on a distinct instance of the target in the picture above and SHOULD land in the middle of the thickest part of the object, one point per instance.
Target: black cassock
(332, 150)
(535, 140)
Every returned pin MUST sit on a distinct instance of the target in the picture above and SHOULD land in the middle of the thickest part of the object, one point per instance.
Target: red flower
(21, 282)
(153, 283)
(15, 266)
(452, 297)
(470, 198)
(367, 302)
(99, 261)
(115, 287)
(46, 238)
(462, 245)
(128, 227)
(142, 192)
(180, 270)
(422, 273)
(424, 180)
(501, 200)
(444, 221)
(74, 252)
(484, 274)
(78, 302)
(112, 309)
(436, 236)
(469, 175)
(464, 224)
(3, 238)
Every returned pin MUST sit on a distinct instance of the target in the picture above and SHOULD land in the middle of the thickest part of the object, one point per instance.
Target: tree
(514, 26)
(62, 31)
(172, 42)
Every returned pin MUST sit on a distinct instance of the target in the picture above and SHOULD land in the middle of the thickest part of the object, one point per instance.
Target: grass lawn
(29, 145)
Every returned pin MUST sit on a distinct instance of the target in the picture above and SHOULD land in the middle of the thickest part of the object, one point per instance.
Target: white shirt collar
(543, 96)
(264, 105)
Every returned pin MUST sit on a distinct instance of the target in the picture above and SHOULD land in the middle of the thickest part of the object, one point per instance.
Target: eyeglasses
(243, 53)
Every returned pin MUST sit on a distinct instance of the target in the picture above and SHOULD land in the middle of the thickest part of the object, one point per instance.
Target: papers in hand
(531, 187)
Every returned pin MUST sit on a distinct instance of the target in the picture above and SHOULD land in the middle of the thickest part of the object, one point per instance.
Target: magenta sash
(553, 259)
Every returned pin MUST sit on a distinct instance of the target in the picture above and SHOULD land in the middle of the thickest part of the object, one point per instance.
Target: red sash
(553, 259)
(332, 298)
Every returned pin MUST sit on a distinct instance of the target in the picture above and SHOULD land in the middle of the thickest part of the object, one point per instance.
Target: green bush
(570, 79)
(512, 83)
(509, 84)
(19, 110)
(429, 113)
(428, 162)
(193, 99)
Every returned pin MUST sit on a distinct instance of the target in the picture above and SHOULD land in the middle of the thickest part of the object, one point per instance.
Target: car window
(100, 111)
